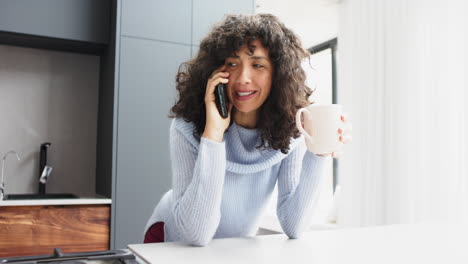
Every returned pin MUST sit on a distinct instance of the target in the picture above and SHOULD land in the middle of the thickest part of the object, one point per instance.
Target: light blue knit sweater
(221, 189)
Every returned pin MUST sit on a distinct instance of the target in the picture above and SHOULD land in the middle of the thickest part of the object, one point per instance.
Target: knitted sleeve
(198, 178)
(298, 180)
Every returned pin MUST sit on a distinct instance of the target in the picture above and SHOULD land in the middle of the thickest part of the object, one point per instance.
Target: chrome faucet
(2, 183)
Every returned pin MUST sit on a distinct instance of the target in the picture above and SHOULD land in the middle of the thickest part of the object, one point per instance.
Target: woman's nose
(244, 76)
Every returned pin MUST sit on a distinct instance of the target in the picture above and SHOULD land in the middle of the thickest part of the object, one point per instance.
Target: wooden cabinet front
(37, 230)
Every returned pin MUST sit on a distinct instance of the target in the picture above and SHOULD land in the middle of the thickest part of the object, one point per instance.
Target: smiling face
(250, 77)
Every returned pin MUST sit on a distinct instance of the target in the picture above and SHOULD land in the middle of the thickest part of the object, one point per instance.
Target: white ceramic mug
(321, 123)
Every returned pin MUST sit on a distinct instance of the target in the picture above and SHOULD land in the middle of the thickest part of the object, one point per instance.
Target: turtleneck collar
(242, 153)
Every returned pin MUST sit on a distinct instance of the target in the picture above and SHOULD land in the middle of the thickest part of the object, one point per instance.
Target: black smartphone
(221, 99)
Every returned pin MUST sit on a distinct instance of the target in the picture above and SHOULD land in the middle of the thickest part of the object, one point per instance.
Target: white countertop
(271, 224)
(75, 201)
(418, 243)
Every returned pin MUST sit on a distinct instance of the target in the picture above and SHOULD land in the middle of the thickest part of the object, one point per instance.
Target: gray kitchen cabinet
(158, 20)
(208, 12)
(78, 20)
(146, 94)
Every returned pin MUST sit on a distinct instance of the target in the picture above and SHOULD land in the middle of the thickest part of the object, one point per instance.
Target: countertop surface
(75, 201)
(415, 243)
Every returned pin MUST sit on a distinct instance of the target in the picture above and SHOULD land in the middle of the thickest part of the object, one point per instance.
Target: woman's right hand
(215, 123)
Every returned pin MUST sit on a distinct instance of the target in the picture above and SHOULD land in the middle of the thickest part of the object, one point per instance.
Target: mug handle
(299, 125)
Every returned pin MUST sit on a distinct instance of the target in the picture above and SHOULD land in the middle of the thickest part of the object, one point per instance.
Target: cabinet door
(38, 230)
(82, 20)
(146, 93)
(208, 12)
(157, 19)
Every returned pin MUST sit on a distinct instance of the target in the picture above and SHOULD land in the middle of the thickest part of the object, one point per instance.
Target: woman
(224, 170)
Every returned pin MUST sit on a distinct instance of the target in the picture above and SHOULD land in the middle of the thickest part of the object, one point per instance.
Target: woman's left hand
(344, 135)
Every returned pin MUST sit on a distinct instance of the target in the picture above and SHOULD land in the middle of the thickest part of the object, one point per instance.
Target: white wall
(49, 96)
(315, 21)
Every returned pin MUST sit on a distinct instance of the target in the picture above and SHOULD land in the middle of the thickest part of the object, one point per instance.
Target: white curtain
(403, 67)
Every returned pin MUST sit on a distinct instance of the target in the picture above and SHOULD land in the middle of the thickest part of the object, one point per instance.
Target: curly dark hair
(276, 117)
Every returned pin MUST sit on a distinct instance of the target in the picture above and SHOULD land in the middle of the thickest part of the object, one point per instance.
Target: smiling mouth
(241, 96)
(245, 93)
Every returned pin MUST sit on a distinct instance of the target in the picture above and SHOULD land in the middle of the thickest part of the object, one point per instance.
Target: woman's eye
(258, 66)
(231, 64)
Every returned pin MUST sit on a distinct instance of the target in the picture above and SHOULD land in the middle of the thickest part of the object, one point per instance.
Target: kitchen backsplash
(49, 96)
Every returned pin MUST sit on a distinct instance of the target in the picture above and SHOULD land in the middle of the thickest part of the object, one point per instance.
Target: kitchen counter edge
(78, 201)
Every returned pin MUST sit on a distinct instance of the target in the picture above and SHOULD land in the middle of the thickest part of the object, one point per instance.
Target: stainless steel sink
(36, 196)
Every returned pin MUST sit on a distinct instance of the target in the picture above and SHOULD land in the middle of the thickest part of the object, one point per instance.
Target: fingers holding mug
(337, 155)
(345, 139)
(344, 117)
(345, 130)
(328, 126)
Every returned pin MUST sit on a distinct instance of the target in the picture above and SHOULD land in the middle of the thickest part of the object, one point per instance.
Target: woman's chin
(243, 109)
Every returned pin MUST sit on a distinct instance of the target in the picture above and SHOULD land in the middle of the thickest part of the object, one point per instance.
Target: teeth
(244, 94)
